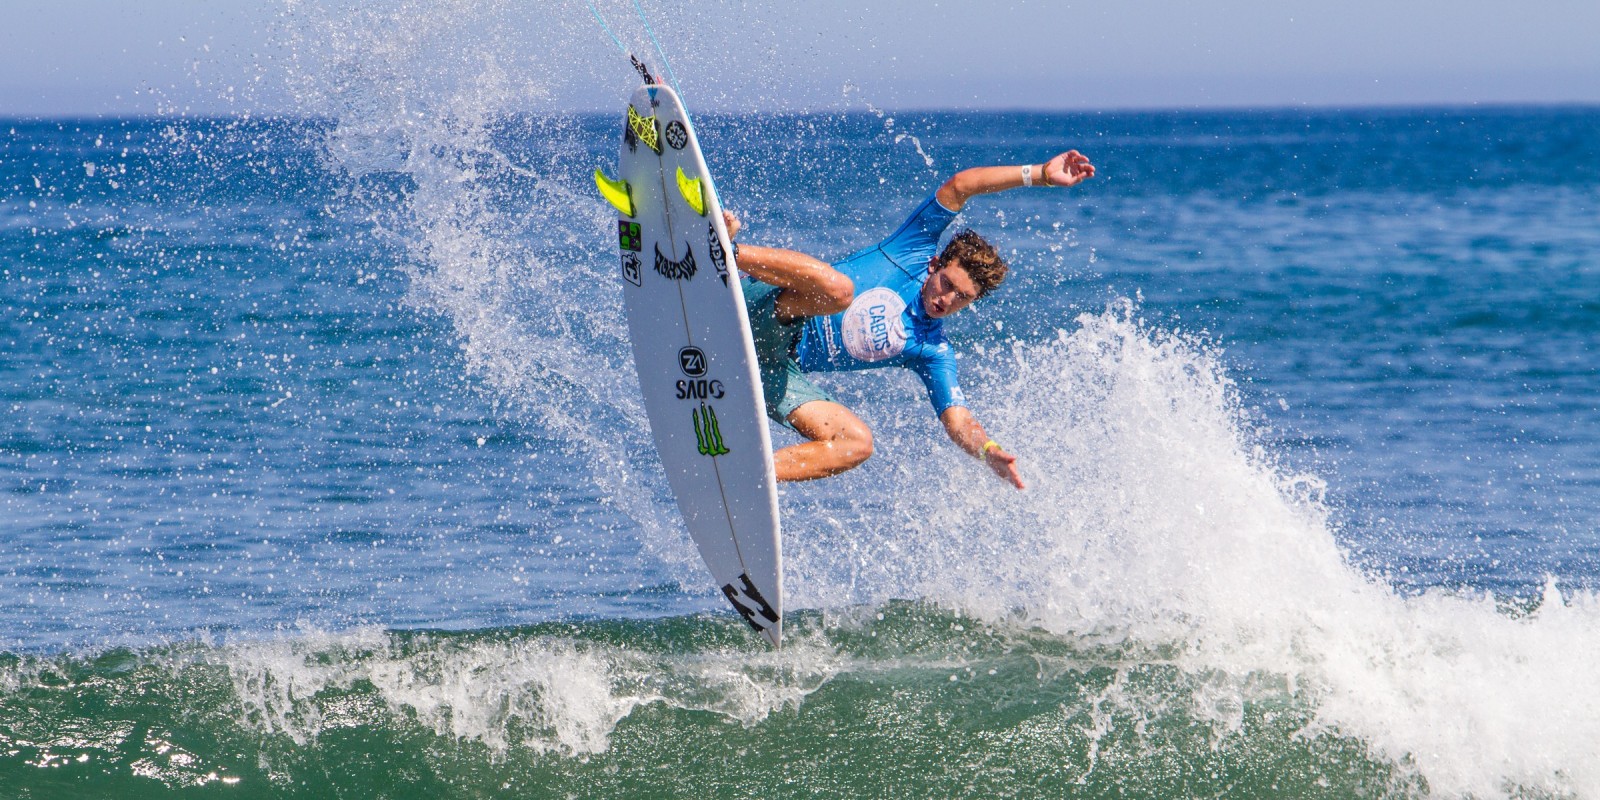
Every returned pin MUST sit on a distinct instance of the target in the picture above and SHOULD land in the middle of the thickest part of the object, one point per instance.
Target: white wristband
(1027, 174)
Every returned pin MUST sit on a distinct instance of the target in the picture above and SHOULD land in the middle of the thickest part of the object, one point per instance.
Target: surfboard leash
(677, 87)
(638, 65)
(644, 71)
(607, 29)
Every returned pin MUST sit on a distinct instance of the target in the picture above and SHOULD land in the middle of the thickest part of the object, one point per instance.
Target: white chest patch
(873, 330)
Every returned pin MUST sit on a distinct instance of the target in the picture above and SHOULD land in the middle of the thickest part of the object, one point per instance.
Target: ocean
(324, 472)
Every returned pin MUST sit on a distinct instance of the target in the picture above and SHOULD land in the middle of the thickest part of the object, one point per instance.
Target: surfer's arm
(1067, 169)
(969, 435)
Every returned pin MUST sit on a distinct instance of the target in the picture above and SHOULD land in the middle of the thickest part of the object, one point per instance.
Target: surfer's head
(968, 269)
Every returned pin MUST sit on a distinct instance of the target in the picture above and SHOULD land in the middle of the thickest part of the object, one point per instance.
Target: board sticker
(675, 270)
(630, 269)
(629, 235)
(719, 258)
(645, 129)
(677, 136)
(692, 361)
(749, 603)
(708, 433)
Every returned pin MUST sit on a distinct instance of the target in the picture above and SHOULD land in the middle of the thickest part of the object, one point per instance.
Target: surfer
(881, 307)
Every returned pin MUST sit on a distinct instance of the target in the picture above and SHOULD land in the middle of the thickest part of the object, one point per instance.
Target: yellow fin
(617, 193)
(693, 192)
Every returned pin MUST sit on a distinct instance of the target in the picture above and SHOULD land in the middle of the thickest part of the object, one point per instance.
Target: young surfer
(882, 307)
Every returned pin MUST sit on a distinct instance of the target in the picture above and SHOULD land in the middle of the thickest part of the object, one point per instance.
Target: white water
(1152, 515)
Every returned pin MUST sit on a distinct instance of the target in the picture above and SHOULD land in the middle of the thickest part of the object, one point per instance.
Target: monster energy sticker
(675, 270)
(628, 235)
(707, 432)
(719, 259)
(749, 602)
(630, 269)
(676, 135)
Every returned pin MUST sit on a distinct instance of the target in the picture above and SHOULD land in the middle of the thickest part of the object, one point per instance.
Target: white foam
(544, 694)
(419, 89)
(1152, 516)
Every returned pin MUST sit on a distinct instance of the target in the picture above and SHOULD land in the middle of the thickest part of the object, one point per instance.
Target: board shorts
(783, 386)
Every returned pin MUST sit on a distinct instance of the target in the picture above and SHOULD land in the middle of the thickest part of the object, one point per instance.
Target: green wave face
(905, 700)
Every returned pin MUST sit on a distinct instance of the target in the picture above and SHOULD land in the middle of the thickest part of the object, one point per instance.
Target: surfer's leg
(840, 441)
(810, 288)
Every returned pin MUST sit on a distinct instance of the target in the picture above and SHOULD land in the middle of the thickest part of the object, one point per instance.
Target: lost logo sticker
(677, 136)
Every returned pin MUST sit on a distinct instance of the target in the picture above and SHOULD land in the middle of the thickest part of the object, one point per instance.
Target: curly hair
(979, 258)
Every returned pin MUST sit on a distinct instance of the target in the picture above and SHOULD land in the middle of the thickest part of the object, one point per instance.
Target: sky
(111, 57)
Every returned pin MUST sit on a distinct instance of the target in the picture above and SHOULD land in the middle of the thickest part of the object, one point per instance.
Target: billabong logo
(675, 270)
(872, 327)
(750, 604)
(707, 432)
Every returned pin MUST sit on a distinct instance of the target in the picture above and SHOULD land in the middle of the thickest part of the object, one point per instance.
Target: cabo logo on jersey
(872, 325)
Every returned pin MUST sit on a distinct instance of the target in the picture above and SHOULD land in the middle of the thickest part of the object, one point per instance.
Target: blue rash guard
(886, 325)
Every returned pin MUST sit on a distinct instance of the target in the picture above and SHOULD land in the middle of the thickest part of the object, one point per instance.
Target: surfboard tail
(759, 613)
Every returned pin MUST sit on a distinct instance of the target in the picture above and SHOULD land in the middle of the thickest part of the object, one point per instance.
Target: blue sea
(324, 474)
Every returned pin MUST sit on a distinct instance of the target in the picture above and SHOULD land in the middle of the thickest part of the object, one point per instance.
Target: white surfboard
(696, 362)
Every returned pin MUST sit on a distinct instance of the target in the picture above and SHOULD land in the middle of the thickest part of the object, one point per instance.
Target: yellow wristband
(990, 445)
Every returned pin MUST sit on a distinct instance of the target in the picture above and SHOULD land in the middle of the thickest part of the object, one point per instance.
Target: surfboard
(694, 354)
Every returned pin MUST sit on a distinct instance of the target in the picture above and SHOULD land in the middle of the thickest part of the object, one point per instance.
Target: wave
(904, 698)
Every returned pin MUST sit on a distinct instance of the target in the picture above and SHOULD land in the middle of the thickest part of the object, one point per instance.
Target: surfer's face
(948, 289)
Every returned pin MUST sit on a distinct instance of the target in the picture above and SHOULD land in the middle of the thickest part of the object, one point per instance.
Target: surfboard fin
(693, 191)
(617, 193)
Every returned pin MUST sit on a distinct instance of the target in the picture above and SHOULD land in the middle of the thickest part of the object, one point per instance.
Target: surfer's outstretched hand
(732, 222)
(1068, 169)
(1005, 465)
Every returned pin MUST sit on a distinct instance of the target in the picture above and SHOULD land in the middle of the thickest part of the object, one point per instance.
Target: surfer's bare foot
(732, 222)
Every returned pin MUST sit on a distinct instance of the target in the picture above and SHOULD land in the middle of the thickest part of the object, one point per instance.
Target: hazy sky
(90, 57)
